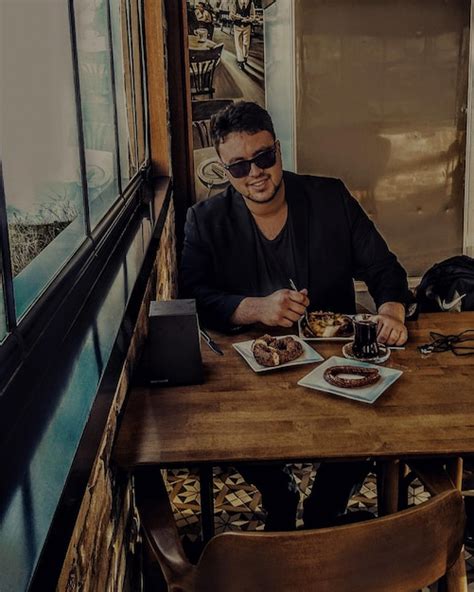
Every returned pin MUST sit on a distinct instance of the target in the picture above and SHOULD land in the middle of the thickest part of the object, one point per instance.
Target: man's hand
(283, 308)
(280, 309)
(391, 328)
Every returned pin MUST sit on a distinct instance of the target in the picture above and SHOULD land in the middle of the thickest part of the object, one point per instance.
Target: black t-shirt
(275, 259)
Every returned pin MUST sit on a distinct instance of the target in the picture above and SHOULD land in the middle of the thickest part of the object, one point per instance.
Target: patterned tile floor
(237, 504)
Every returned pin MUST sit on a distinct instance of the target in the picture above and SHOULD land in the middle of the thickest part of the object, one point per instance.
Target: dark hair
(243, 116)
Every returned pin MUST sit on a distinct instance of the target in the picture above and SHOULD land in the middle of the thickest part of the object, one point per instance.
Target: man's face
(260, 185)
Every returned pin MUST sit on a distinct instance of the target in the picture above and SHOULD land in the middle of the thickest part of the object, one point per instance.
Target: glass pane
(39, 143)
(3, 319)
(97, 105)
(381, 96)
(120, 48)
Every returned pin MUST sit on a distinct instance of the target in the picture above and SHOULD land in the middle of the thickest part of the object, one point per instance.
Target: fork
(293, 287)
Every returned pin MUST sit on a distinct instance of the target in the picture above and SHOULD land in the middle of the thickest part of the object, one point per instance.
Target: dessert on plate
(326, 324)
(274, 351)
(351, 376)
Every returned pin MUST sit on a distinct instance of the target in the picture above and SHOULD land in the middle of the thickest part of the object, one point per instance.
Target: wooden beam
(157, 83)
(180, 112)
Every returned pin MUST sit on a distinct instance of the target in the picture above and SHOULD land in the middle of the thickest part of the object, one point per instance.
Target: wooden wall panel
(180, 112)
(157, 87)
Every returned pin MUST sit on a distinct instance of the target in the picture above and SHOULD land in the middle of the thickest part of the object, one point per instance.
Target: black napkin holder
(173, 351)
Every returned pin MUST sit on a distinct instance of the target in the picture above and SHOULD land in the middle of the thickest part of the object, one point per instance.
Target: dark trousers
(333, 486)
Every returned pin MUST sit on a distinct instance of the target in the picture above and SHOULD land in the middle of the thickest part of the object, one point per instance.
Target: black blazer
(335, 243)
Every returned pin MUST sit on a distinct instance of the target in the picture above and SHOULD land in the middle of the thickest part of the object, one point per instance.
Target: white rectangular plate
(369, 394)
(308, 356)
(302, 336)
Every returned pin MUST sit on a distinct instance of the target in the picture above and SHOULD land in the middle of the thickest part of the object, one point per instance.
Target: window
(73, 127)
(3, 320)
(74, 234)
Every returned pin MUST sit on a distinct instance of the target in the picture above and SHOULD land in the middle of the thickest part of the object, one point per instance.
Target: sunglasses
(264, 160)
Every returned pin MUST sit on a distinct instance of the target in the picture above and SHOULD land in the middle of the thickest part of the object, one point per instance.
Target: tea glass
(365, 344)
(201, 35)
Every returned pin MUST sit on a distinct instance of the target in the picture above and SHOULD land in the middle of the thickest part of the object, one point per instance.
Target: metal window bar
(139, 86)
(144, 79)
(79, 119)
(138, 74)
(114, 97)
(8, 291)
(132, 78)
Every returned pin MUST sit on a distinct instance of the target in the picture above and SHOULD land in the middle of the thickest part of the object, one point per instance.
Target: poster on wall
(226, 64)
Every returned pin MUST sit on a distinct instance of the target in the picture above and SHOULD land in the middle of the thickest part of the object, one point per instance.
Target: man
(242, 14)
(240, 250)
(204, 18)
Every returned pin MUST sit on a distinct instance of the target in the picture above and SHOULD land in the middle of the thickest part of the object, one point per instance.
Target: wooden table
(238, 415)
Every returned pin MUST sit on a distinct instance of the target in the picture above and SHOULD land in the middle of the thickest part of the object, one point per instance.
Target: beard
(269, 198)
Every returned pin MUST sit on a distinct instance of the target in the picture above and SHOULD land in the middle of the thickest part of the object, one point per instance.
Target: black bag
(447, 286)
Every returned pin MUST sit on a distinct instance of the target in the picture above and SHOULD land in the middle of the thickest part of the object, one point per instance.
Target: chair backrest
(202, 113)
(401, 552)
(202, 65)
(205, 109)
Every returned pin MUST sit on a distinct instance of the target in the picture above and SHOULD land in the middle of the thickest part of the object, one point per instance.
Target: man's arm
(379, 269)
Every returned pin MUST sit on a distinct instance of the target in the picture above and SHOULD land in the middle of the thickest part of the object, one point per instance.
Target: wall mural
(226, 58)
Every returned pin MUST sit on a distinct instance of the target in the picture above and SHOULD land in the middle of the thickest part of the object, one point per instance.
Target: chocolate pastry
(367, 376)
(327, 324)
(273, 351)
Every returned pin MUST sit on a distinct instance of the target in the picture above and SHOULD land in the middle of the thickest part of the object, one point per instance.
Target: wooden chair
(401, 552)
(202, 112)
(438, 476)
(202, 66)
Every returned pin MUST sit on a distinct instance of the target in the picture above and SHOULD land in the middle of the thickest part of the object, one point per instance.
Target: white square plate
(302, 335)
(308, 356)
(368, 394)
